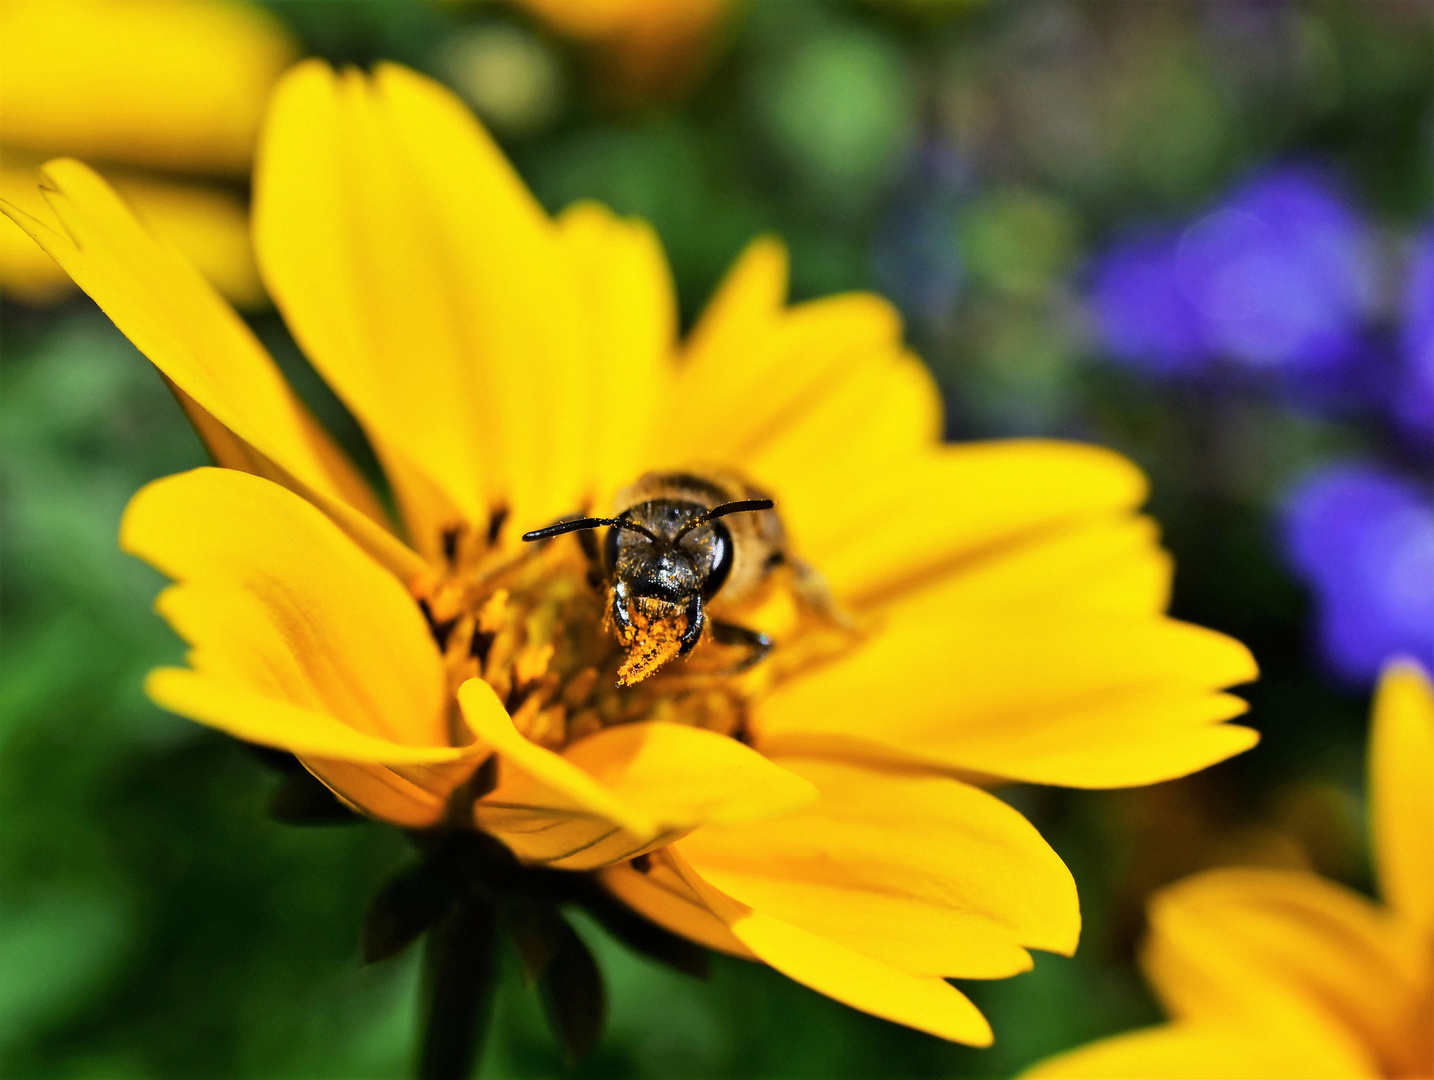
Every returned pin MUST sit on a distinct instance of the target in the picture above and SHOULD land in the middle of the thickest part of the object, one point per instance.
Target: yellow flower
(644, 46)
(948, 615)
(1283, 974)
(176, 86)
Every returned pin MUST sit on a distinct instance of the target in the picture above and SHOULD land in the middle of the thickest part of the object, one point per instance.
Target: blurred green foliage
(961, 157)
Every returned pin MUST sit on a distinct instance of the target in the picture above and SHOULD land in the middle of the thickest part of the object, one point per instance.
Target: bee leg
(758, 643)
(814, 594)
(621, 619)
(695, 619)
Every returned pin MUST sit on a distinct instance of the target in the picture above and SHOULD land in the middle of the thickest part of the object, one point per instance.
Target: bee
(684, 541)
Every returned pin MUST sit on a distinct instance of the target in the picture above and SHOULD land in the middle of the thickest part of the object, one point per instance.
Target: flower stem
(460, 976)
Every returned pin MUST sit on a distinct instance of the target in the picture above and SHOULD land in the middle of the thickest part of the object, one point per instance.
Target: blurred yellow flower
(176, 86)
(1272, 974)
(993, 611)
(643, 46)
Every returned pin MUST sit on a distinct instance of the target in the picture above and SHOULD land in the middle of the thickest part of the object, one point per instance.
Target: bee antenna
(743, 506)
(581, 524)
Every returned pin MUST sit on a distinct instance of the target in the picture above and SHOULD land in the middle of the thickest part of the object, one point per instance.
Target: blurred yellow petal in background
(175, 86)
(1270, 974)
(1401, 785)
(27, 273)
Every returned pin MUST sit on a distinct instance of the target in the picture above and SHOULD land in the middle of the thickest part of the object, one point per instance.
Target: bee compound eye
(720, 568)
(609, 549)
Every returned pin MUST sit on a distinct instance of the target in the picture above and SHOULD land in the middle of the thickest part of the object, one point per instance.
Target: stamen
(533, 629)
(580, 687)
(495, 524)
(532, 662)
(439, 630)
(450, 543)
(479, 646)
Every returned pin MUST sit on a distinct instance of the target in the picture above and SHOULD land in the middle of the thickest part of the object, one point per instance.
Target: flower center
(535, 623)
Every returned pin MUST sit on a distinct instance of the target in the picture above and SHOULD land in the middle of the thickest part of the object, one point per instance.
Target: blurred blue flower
(1276, 277)
(1363, 540)
(1144, 317)
(1414, 397)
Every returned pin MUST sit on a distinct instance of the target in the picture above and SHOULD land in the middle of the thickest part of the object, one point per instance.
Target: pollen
(536, 626)
(654, 638)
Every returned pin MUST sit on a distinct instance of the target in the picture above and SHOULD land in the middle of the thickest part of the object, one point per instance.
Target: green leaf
(573, 997)
(537, 931)
(405, 907)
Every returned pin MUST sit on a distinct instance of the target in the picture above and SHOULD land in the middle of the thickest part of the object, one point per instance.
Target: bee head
(674, 546)
(664, 558)
(669, 550)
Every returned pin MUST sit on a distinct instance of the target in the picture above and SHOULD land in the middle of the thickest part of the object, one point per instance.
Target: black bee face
(664, 559)
(679, 555)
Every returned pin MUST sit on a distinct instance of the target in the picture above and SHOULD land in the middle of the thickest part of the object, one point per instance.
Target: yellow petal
(298, 639)
(630, 304)
(259, 714)
(867, 495)
(924, 873)
(746, 304)
(852, 436)
(819, 403)
(614, 793)
(925, 1003)
(660, 893)
(1285, 952)
(1072, 697)
(428, 515)
(884, 408)
(941, 508)
(380, 792)
(356, 511)
(208, 225)
(736, 400)
(175, 84)
(552, 786)
(27, 273)
(1401, 786)
(196, 340)
(681, 776)
(427, 286)
(1111, 564)
(1201, 1052)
